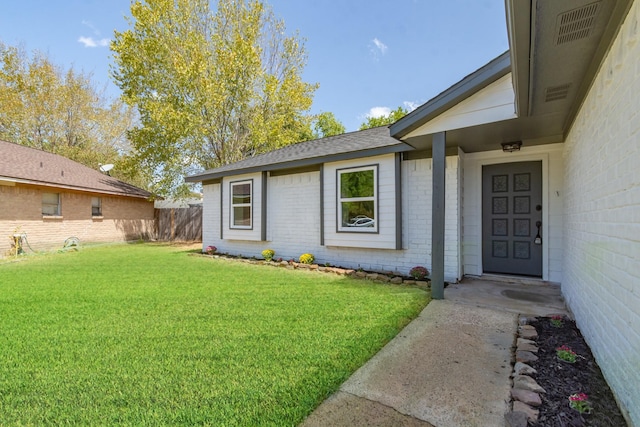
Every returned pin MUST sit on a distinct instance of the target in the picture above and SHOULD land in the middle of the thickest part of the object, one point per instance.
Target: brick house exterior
(51, 198)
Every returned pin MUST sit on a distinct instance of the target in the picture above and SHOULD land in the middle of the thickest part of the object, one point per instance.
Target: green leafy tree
(326, 124)
(210, 87)
(390, 118)
(45, 107)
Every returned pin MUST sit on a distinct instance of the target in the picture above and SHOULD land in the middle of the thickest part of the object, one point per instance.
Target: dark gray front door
(512, 218)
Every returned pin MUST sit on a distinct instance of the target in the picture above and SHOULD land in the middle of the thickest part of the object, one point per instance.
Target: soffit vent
(556, 93)
(576, 24)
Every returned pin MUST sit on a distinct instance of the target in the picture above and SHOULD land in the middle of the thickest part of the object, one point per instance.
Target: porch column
(437, 216)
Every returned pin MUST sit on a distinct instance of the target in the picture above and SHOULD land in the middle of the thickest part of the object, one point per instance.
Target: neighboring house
(526, 167)
(51, 198)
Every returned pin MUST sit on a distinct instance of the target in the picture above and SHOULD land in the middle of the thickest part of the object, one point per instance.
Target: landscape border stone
(526, 391)
(392, 277)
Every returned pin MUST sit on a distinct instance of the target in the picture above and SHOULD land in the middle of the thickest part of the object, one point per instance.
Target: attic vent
(576, 24)
(556, 93)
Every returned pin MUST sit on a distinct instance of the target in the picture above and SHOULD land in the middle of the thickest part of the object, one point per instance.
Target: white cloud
(381, 46)
(378, 112)
(411, 105)
(377, 49)
(91, 42)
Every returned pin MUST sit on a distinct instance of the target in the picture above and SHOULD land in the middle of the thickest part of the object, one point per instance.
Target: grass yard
(148, 335)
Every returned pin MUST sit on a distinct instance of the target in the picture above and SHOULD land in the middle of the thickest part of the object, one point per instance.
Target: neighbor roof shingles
(37, 167)
(364, 142)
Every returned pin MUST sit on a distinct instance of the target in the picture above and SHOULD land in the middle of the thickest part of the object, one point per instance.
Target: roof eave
(207, 176)
(72, 187)
(473, 83)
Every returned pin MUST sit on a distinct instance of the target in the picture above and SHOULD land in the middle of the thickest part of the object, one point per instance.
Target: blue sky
(368, 56)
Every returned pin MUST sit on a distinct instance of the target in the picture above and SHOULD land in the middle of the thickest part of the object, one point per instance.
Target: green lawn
(151, 335)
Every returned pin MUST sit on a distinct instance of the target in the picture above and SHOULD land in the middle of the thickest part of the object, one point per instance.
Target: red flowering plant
(556, 321)
(419, 272)
(211, 250)
(565, 353)
(580, 402)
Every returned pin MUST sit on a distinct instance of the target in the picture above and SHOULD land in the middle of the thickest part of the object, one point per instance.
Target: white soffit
(493, 103)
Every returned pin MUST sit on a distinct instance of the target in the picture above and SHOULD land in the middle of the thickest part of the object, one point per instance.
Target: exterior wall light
(509, 147)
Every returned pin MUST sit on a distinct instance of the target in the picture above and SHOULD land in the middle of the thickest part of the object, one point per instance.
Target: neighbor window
(96, 206)
(50, 204)
(241, 204)
(357, 199)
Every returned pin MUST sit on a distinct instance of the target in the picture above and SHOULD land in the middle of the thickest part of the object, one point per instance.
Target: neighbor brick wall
(602, 217)
(123, 219)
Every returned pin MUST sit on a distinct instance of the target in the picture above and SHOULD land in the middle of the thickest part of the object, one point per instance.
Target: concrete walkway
(450, 367)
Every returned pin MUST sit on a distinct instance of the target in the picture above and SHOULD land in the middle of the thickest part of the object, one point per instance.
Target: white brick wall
(211, 215)
(293, 223)
(602, 217)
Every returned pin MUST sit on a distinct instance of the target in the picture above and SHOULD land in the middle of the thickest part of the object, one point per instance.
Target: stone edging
(382, 277)
(525, 392)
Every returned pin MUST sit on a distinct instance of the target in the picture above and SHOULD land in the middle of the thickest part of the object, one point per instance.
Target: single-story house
(51, 198)
(526, 167)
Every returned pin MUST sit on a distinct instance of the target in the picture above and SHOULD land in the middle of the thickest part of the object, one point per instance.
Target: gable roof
(28, 165)
(364, 143)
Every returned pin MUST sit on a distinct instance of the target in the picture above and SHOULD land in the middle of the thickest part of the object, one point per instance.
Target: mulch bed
(561, 379)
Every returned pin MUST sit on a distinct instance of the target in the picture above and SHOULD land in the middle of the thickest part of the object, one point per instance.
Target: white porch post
(437, 216)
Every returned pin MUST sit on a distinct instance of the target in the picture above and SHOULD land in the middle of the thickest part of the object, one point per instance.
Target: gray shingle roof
(368, 142)
(31, 166)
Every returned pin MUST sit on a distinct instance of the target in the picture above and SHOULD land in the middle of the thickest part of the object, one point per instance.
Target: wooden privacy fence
(179, 223)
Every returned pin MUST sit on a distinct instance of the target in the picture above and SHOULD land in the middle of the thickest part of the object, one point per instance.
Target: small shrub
(211, 250)
(419, 272)
(268, 254)
(565, 353)
(306, 258)
(580, 402)
(556, 321)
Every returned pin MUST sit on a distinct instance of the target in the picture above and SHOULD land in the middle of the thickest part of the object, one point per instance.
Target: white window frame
(49, 203)
(233, 205)
(340, 200)
(98, 205)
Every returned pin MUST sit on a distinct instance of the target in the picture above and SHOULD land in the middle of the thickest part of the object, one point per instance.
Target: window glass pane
(50, 198)
(357, 184)
(50, 204)
(241, 193)
(242, 216)
(96, 204)
(358, 214)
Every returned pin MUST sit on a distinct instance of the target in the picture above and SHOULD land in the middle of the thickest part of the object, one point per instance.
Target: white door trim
(497, 157)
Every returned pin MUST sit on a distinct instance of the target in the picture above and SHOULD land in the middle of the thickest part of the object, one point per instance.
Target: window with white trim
(241, 204)
(96, 206)
(50, 204)
(358, 199)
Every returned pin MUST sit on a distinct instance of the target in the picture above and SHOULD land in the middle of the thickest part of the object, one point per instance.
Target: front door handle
(538, 239)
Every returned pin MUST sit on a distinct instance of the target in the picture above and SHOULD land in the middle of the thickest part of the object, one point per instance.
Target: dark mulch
(561, 379)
